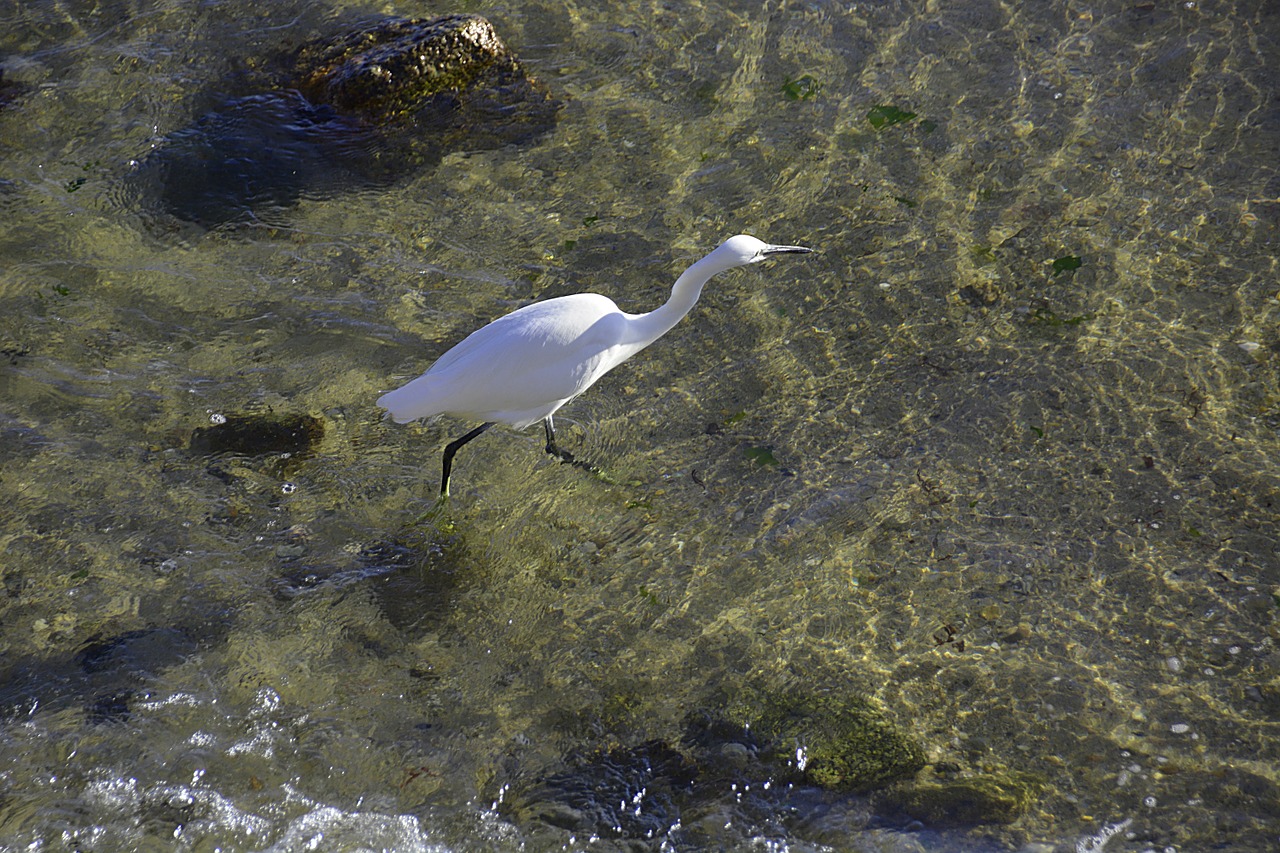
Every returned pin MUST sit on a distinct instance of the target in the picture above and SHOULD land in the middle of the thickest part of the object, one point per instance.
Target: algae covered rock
(842, 743)
(967, 801)
(389, 69)
(432, 85)
(363, 108)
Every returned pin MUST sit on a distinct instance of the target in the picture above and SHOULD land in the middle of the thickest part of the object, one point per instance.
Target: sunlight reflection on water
(995, 495)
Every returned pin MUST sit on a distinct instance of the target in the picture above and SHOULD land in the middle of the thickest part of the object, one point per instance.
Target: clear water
(1030, 512)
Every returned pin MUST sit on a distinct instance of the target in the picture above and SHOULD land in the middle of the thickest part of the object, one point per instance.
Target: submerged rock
(256, 434)
(677, 795)
(363, 108)
(987, 798)
(105, 675)
(117, 668)
(257, 152)
(414, 583)
(9, 90)
(841, 743)
(630, 792)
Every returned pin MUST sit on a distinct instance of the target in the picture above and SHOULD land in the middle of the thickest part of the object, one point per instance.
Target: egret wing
(518, 368)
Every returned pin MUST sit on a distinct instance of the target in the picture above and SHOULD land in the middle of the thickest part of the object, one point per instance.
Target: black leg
(450, 449)
(564, 455)
(552, 448)
(551, 436)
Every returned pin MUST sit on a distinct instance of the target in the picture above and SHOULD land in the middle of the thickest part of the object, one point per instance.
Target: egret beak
(784, 250)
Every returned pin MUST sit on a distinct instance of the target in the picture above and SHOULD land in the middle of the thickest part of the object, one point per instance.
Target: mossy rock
(363, 108)
(390, 67)
(969, 801)
(451, 77)
(848, 744)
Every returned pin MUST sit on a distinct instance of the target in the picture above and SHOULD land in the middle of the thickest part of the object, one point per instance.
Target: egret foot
(568, 458)
(437, 515)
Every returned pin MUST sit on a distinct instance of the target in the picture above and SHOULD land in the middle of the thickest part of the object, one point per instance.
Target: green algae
(843, 743)
(985, 798)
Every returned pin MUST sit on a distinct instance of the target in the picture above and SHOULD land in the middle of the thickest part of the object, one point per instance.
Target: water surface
(1026, 506)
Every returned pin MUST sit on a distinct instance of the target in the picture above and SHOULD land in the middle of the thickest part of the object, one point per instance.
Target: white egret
(523, 367)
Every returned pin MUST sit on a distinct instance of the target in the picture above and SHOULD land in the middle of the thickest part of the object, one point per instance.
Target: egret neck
(644, 329)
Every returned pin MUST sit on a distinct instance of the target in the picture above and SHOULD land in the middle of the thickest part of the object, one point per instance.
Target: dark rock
(256, 153)
(969, 801)
(708, 732)
(387, 71)
(415, 584)
(111, 707)
(252, 435)
(623, 793)
(1235, 789)
(107, 673)
(116, 668)
(427, 86)
(363, 108)
(9, 90)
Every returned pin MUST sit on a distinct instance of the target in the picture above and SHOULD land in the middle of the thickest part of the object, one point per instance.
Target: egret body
(523, 367)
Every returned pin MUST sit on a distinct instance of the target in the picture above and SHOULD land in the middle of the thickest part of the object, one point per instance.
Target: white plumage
(524, 366)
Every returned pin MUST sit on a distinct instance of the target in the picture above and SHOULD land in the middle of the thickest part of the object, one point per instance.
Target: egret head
(744, 249)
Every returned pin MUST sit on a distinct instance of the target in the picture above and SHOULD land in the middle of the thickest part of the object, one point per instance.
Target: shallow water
(1029, 511)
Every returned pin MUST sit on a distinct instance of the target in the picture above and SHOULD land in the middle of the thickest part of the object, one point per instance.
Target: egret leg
(552, 448)
(450, 449)
(567, 457)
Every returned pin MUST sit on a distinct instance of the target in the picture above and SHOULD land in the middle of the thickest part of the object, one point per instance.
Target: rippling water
(1025, 505)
